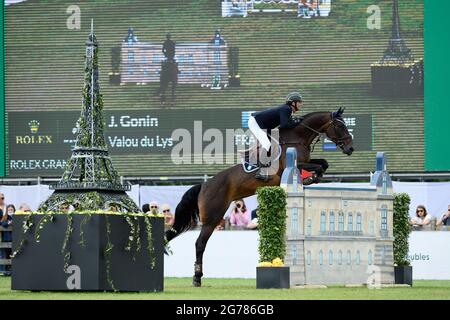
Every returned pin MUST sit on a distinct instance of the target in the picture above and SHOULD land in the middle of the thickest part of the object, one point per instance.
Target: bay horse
(169, 75)
(210, 200)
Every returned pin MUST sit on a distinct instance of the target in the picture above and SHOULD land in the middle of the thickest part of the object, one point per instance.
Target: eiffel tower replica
(398, 72)
(90, 181)
(397, 51)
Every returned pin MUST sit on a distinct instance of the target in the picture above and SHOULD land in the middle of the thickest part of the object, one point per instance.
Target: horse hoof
(196, 282)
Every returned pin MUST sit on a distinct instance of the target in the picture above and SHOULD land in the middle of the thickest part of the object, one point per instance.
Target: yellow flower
(277, 262)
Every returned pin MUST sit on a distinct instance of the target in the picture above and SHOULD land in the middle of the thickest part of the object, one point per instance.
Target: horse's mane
(311, 114)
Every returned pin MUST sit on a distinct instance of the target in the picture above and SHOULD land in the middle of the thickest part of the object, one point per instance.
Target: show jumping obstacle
(339, 235)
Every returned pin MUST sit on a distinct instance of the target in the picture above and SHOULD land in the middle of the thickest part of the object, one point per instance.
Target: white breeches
(260, 135)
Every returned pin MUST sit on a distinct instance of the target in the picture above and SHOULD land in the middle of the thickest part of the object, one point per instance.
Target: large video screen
(202, 67)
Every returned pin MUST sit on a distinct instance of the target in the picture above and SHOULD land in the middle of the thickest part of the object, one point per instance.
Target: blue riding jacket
(279, 116)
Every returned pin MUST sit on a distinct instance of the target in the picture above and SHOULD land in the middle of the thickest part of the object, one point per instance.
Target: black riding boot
(263, 173)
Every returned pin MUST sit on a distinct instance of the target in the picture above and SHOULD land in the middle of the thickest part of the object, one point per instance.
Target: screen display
(180, 78)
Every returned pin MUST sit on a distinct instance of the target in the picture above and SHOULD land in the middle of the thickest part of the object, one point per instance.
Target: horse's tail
(186, 213)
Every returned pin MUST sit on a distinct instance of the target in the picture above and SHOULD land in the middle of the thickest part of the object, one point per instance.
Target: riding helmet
(293, 97)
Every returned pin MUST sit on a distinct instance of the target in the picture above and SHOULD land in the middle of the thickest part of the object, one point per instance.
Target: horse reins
(318, 132)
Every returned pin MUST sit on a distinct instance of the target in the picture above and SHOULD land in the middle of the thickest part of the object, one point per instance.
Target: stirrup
(259, 175)
(262, 177)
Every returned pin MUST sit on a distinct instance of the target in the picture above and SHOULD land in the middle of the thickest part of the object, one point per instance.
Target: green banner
(437, 73)
(2, 98)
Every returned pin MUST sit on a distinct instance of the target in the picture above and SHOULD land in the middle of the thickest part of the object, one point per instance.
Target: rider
(169, 48)
(270, 119)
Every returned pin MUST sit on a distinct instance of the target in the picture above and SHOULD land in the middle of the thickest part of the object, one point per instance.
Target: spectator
(168, 215)
(422, 218)
(154, 208)
(6, 221)
(444, 220)
(2, 203)
(240, 216)
(24, 208)
(253, 224)
(146, 208)
(64, 208)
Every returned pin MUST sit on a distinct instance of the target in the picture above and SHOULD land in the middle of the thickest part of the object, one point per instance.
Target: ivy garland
(107, 254)
(151, 251)
(132, 234)
(45, 219)
(67, 236)
(26, 226)
(83, 222)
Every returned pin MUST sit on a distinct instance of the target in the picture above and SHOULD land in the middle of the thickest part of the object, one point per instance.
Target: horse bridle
(319, 132)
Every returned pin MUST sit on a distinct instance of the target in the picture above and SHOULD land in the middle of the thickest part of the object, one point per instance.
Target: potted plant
(402, 229)
(271, 272)
(88, 251)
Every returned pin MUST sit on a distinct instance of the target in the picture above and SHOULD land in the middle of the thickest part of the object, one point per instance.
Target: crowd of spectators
(424, 220)
(240, 218)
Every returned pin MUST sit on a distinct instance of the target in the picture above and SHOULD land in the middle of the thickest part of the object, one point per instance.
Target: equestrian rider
(169, 48)
(270, 119)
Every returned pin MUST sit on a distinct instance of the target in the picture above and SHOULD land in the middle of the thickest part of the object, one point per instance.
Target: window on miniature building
(331, 221)
(340, 257)
(323, 222)
(294, 254)
(384, 183)
(370, 258)
(330, 257)
(308, 258)
(358, 222)
(383, 217)
(308, 227)
(358, 258)
(341, 221)
(350, 222)
(294, 222)
(321, 257)
(349, 257)
(371, 227)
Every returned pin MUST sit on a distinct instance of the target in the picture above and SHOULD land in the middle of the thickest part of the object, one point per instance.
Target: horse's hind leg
(200, 246)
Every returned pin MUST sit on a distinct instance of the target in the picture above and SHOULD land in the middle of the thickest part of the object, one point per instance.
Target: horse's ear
(338, 113)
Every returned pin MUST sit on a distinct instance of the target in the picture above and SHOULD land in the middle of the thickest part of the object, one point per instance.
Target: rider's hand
(298, 120)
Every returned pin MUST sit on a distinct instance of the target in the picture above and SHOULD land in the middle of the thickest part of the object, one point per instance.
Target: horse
(210, 200)
(169, 74)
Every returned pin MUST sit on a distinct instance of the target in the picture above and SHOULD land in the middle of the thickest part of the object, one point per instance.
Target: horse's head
(338, 133)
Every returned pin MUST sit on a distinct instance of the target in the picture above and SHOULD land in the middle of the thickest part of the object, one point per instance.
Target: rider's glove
(298, 120)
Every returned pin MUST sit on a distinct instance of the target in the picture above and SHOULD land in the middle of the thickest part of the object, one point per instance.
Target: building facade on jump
(340, 235)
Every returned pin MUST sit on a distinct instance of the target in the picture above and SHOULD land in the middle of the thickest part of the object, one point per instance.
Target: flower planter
(91, 265)
(272, 277)
(403, 275)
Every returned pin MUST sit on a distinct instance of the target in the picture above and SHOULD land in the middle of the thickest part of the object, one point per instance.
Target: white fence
(234, 254)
